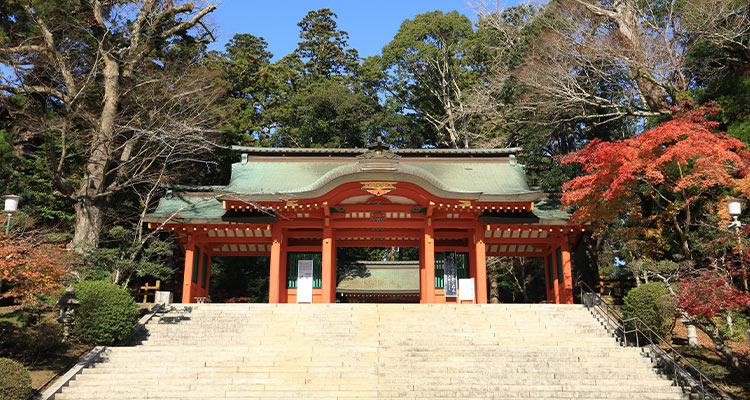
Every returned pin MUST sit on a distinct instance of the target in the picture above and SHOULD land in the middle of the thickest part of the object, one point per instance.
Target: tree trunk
(90, 205)
(712, 331)
(88, 224)
(494, 289)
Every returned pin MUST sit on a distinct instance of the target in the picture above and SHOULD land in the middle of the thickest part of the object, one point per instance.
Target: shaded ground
(33, 338)
(712, 363)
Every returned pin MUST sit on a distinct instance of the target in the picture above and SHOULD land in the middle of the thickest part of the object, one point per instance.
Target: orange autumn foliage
(676, 163)
(30, 267)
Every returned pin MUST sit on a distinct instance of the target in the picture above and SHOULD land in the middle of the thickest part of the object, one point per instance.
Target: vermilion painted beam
(241, 253)
(453, 234)
(383, 208)
(234, 240)
(377, 243)
(370, 233)
(190, 228)
(454, 224)
(512, 254)
(341, 223)
(519, 240)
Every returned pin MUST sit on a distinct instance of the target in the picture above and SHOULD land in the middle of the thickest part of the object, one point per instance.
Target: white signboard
(466, 290)
(304, 281)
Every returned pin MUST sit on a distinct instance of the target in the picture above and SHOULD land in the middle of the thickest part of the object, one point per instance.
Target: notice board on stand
(304, 281)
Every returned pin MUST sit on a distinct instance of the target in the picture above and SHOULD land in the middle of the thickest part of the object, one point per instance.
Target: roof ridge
(358, 151)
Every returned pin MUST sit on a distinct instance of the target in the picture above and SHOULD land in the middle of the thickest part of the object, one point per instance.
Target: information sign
(466, 290)
(304, 281)
(451, 273)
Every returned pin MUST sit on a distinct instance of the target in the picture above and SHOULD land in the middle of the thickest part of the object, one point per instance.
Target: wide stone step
(372, 351)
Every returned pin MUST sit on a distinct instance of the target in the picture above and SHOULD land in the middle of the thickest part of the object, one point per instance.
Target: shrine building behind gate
(293, 204)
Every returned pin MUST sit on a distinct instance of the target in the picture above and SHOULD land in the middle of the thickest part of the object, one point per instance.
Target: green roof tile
(382, 277)
(186, 207)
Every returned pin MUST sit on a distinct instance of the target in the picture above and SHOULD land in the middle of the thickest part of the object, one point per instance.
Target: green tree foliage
(15, 380)
(323, 48)
(428, 67)
(652, 303)
(106, 96)
(120, 259)
(107, 315)
(326, 114)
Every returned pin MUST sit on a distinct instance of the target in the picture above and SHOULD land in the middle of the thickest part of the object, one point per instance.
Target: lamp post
(734, 206)
(11, 205)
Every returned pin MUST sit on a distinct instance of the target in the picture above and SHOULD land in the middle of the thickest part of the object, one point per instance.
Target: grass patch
(714, 367)
(34, 338)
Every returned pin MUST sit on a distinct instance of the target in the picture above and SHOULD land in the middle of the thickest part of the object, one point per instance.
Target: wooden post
(187, 279)
(566, 294)
(208, 273)
(555, 277)
(481, 266)
(329, 266)
(422, 272)
(548, 277)
(429, 264)
(274, 281)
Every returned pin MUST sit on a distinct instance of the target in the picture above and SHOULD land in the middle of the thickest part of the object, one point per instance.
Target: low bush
(107, 315)
(15, 380)
(652, 303)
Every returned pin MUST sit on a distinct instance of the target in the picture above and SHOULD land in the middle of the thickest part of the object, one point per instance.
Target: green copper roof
(549, 211)
(382, 277)
(266, 179)
(194, 208)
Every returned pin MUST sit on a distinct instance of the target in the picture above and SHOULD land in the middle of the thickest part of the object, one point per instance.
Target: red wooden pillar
(275, 279)
(566, 292)
(187, 278)
(208, 272)
(548, 277)
(481, 266)
(422, 273)
(329, 266)
(199, 289)
(428, 255)
(555, 277)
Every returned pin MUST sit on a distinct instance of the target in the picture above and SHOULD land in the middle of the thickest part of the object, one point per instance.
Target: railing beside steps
(635, 332)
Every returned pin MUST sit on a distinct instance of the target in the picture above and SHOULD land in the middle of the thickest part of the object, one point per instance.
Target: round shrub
(652, 303)
(107, 315)
(15, 380)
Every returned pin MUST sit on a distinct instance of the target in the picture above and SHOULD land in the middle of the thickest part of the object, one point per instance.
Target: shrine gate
(304, 203)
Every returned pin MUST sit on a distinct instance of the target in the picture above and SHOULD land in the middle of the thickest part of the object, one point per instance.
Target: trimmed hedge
(15, 380)
(107, 315)
(652, 303)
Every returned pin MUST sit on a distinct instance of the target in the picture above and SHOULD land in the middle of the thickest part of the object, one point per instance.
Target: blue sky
(370, 24)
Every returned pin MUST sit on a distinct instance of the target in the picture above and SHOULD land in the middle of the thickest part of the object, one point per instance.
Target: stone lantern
(68, 304)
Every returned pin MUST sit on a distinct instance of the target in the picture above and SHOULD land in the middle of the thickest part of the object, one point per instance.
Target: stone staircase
(368, 351)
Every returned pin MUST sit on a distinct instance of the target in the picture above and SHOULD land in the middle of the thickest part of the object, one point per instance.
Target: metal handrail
(680, 375)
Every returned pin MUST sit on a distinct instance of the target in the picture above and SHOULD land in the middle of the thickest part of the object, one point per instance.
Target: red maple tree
(669, 179)
(672, 166)
(710, 294)
(31, 267)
